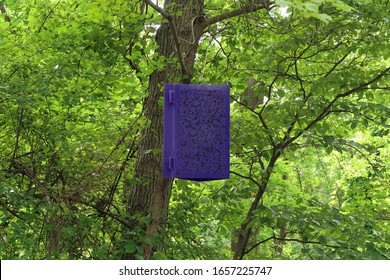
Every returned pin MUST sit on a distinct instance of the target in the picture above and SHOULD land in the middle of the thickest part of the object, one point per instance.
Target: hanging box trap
(196, 132)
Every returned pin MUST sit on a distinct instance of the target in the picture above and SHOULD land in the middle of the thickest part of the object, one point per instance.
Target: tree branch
(248, 178)
(258, 244)
(289, 239)
(163, 12)
(362, 153)
(253, 6)
(327, 110)
(244, 105)
(307, 242)
(337, 64)
(47, 16)
(362, 86)
(173, 26)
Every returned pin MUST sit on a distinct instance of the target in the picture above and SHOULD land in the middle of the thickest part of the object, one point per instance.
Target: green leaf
(160, 256)
(311, 7)
(324, 17)
(130, 247)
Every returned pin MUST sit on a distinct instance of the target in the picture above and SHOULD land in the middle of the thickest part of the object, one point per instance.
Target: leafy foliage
(309, 128)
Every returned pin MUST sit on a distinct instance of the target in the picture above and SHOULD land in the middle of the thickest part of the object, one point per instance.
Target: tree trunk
(150, 197)
(178, 37)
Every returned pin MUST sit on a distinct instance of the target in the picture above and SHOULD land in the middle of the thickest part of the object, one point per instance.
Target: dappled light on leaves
(81, 129)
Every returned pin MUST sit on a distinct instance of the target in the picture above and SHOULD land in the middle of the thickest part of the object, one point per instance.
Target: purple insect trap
(196, 132)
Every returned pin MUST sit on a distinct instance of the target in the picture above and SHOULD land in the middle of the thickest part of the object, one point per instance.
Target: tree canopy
(81, 111)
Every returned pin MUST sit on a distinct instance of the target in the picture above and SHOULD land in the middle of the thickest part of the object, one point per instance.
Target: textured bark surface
(178, 37)
(150, 197)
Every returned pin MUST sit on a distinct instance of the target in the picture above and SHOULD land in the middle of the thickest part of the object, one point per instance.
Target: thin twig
(337, 64)
(289, 239)
(47, 17)
(248, 178)
(162, 11)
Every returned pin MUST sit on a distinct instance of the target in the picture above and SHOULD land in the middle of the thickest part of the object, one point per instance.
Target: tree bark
(178, 37)
(150, 197)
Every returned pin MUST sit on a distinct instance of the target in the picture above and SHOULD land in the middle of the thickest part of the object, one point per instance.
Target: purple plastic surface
(196, 132)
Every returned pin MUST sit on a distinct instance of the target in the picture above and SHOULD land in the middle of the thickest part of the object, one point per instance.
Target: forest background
(81, 129)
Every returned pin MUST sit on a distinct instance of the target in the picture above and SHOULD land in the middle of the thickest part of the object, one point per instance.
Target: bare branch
(290, 239)
(253, 6)
(244, 105)
(259, 243)
(363, 86)
(163, 12)
(307, 242)
(248, 178)
(47, 16)
(337, 64)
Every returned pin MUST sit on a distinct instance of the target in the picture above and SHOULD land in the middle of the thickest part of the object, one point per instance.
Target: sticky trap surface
(196, 132)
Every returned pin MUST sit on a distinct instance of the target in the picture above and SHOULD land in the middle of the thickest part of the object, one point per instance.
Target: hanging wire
(193, 42)
(205, 60)
(192, 29)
